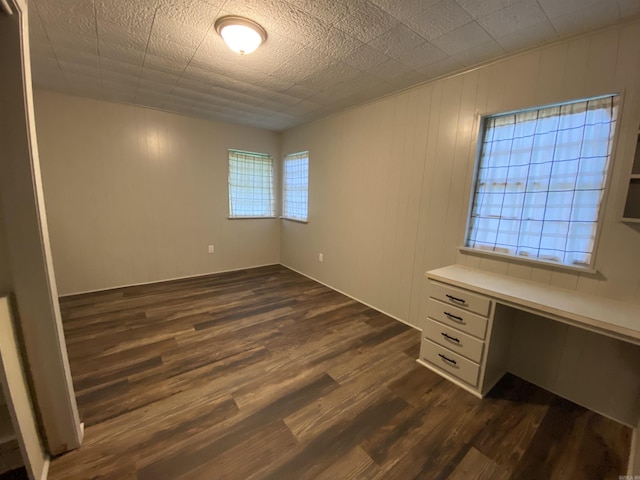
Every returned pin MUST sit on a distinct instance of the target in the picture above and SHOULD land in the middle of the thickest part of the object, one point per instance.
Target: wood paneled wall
(136, 195)
(390, 181)
(390, 184)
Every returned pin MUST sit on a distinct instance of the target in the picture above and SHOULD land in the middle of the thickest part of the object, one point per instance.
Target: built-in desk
(468, 327)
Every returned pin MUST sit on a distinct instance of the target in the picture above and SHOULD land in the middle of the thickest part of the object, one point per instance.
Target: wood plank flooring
(265, 374)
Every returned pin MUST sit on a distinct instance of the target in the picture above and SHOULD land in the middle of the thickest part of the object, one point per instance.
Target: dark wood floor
(266, 374)
(17, 474)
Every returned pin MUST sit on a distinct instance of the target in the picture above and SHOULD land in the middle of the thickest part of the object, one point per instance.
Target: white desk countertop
(609, 317)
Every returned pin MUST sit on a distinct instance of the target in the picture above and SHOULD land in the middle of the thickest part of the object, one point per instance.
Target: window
(540, 180)
(295, 186)
(250, 185)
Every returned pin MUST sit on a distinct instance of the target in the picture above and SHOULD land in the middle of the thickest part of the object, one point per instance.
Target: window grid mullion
(250, 185)
(546, 201)
(295, 186)
(570, 148)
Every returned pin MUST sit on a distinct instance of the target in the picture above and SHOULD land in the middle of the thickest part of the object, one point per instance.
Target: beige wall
(390, 181)
(390, 184)
(135, 195)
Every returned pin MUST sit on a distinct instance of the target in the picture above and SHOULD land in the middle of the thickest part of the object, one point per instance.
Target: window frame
(273, 206)
(283, 193)
(479, 126)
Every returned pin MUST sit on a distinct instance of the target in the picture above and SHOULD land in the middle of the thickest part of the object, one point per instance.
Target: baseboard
(352, 297)
(172, 279)
(237, 270)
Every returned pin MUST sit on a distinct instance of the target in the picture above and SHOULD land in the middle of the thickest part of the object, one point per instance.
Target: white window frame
(480, 132)
(288, 214)
(269, 207)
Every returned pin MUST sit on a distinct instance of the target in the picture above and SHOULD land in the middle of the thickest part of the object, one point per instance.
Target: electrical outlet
(211, 249)
(320, 257)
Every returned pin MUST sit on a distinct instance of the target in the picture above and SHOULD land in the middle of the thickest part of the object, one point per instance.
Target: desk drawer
(460, 298)
(450, 362)
(454, 340)
(457, 318)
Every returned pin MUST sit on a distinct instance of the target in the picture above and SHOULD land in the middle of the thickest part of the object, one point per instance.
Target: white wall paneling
(390, 182)
(598, 372)
(136, 195)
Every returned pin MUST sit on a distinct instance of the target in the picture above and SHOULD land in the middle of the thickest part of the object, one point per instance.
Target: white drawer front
(457, 318)
(454, 340)
(450, 362)
(460, 298)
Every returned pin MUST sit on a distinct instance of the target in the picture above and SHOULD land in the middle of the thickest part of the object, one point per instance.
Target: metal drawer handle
(456, 299)
(454, 317)
(447, 359)
(449, 337)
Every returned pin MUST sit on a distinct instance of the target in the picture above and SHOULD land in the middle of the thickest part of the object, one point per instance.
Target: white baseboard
(352, 297)
(236, 270)
(151, 282)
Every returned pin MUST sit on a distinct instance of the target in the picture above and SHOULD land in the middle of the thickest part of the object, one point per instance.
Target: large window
(295, 186)
(540, 181)
(250, 185)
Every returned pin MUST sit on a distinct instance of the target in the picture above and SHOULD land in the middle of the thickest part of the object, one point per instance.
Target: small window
(295, 186)
(540, 181)
(250, 185)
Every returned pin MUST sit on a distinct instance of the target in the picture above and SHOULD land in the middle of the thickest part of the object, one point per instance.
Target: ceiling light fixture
(241, 34)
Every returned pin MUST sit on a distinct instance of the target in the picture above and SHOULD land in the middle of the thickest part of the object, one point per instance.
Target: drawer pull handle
(456, 299)
(449, 337)
(447, 359)
(454, 317)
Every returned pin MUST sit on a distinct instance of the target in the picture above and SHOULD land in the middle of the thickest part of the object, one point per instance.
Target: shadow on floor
(17, 474)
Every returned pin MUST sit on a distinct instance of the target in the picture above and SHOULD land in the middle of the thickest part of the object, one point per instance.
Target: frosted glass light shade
(242, 35)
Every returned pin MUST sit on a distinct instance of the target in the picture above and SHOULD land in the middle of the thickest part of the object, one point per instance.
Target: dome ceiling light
(242, 35)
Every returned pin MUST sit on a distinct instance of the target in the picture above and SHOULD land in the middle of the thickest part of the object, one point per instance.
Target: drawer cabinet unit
(456, 336)
(454, 340)
(457, 318)
(469, 316)
(445, 359)
(463, 299)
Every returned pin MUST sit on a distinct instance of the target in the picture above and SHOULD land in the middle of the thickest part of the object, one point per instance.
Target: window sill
(294, 220)
(528, 261)
(250, 218)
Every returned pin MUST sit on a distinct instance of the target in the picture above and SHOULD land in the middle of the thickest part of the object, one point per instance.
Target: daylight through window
(295, 186)
(540, 181)
(250, 185)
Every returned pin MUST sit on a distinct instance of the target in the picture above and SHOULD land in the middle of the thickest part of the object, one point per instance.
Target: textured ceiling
(320, 56)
